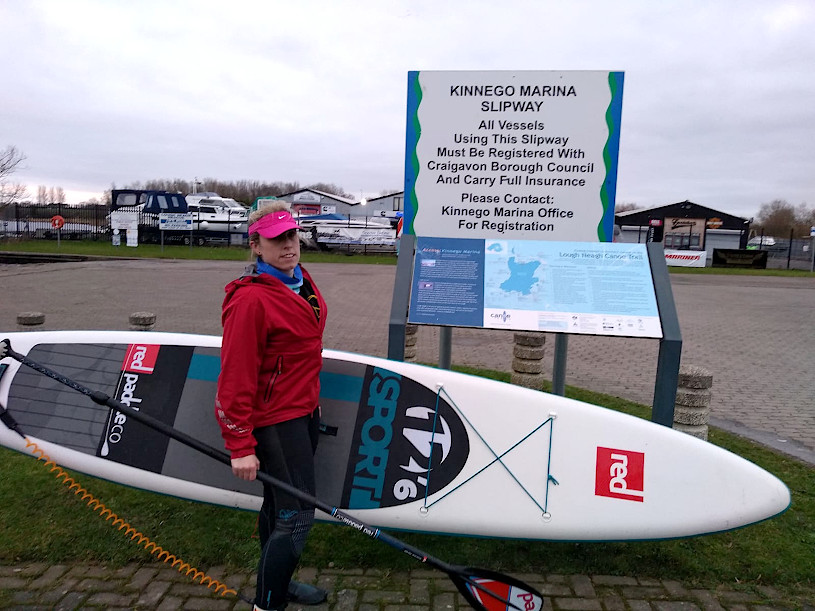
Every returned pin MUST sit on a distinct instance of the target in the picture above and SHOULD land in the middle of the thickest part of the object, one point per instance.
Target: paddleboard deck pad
(405, 446)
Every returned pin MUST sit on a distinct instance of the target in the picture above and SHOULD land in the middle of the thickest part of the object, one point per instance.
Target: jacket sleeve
(244, 340)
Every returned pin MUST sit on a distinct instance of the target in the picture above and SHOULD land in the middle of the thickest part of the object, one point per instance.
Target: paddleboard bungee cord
(497, 458)
(99, 508)
(483, 589)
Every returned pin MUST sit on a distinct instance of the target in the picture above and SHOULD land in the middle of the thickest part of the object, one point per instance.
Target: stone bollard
(527, 362)
(142, 321)
(410, 342)
(692, 408)
(26, 321)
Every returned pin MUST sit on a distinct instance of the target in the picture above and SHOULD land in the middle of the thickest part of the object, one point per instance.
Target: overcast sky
(718, 105)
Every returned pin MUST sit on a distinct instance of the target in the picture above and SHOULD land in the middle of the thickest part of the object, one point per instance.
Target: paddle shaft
(105, 400)
(465, 579)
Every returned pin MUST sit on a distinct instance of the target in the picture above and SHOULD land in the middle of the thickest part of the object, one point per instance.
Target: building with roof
(684, 226)
(388, 206)
(312, 201)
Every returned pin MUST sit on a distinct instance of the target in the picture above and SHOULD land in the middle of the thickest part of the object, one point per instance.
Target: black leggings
(285, 451)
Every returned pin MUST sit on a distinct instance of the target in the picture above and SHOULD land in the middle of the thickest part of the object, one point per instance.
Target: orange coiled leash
(103, 512)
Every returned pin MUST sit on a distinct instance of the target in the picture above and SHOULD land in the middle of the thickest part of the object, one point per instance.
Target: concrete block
(693, 376)
(530, 339)
(699, 431)
(530, 353)
(527, 366)
(527, 380)
(142, 321)
(691, 415)
(692, 397)
(30, 319)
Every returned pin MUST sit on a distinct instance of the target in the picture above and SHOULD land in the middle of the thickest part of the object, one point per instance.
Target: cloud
(717, 104)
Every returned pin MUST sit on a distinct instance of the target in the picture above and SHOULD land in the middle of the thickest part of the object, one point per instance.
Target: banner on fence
(356, 235)
(686, 258)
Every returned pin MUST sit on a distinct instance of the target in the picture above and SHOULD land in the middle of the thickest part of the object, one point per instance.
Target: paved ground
(164, 589)
(756, 335)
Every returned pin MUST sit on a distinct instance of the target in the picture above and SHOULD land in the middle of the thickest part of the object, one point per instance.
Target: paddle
(482, 588)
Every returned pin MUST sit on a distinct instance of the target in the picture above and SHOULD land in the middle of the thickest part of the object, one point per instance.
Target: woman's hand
(246, 467)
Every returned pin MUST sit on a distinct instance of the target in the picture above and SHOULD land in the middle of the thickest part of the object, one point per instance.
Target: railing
(34, 221)
(29, 221)
(784, 253)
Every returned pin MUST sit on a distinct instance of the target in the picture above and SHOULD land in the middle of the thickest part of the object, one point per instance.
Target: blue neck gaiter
(294, 283)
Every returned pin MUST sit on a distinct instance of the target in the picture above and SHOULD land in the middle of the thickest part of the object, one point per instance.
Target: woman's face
(282, 252)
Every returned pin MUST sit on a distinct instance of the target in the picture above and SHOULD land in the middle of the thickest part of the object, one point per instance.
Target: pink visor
(274, 224)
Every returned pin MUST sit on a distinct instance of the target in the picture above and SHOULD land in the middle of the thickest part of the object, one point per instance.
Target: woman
(273, 319)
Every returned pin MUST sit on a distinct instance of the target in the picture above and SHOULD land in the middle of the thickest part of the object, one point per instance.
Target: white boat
(325, 230)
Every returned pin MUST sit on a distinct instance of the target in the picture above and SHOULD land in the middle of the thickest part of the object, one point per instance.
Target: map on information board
(566, 287)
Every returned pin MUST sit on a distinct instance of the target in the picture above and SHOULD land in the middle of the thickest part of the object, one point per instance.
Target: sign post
(812, 249)
(174, 221)
(510, 182)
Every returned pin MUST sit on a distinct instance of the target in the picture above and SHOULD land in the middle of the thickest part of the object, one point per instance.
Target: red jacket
(270, 358)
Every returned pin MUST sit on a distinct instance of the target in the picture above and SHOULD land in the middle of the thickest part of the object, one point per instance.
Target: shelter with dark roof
(684, 226)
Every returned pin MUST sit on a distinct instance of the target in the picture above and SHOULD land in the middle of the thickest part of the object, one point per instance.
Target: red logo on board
(140, 358)
(517, 597)
(620, 474)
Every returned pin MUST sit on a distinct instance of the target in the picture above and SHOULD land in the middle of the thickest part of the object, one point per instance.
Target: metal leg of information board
(445, 347)
(559, 368)
(401, 298)
(670, 346)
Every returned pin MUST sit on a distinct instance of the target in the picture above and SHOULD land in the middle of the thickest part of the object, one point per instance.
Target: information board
(519, 155)
(124, 219)
(175, 221)
(565, 287)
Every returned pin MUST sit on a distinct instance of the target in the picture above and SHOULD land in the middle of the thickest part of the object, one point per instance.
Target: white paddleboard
(411, 447)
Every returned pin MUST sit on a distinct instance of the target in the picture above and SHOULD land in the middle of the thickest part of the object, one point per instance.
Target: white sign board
(175, 221)
(124, 219)
(528, 155)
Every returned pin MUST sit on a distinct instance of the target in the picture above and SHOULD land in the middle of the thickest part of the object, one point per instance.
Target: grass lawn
(43, 521)
(240, 253)
(199, 253)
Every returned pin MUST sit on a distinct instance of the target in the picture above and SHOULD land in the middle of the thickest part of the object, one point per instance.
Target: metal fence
(37, 221)
(790, 254)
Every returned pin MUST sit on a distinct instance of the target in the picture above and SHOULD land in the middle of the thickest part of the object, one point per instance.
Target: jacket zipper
(273, 379)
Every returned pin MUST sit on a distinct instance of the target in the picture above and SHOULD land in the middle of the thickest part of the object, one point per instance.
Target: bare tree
(10, 160)
(778, 217)
(331, 188)
(626, 206)
(42, 195)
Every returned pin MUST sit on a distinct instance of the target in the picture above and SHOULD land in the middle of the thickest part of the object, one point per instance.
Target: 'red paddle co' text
(139, 359)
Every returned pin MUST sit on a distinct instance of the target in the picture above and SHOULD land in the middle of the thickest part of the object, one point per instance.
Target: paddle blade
(491, 591)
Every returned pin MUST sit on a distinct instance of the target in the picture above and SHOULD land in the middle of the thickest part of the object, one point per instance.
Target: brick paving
(158, 587)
